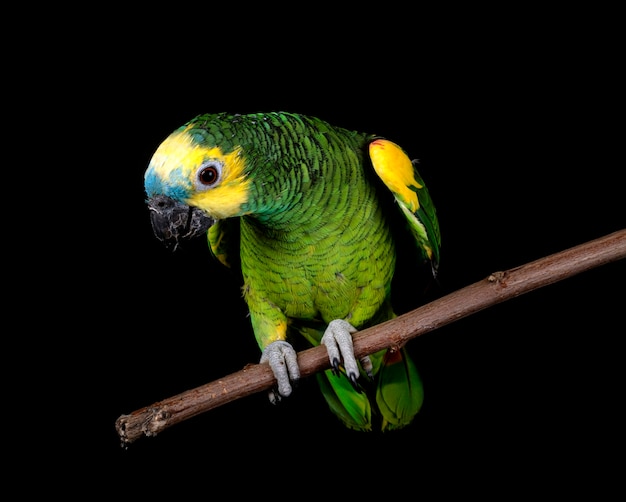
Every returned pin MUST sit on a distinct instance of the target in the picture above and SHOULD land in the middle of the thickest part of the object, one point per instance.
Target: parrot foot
(283, 360)
(338, 341)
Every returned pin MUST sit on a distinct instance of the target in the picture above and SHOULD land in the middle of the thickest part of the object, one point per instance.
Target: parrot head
(191, 182)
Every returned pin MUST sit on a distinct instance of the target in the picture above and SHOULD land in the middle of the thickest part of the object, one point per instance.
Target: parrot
(315, 218)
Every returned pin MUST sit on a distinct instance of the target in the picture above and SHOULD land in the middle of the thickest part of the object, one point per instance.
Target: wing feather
(400, 175)
(223, 239)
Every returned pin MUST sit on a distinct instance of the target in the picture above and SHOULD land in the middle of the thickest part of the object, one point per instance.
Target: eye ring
(208, 175)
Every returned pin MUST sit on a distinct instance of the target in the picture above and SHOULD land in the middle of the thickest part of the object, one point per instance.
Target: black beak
(173, 222)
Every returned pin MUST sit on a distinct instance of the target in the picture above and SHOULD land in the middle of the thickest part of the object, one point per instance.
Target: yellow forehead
(179, 151)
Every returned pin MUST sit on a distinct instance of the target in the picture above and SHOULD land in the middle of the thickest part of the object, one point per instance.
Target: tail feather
(399, 390)
(394, 401)
(351, 407)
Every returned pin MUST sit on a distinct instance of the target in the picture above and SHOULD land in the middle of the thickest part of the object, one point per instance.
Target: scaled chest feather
(322, 276)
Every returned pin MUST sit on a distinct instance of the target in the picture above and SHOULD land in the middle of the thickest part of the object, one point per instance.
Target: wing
(400, 175)
(223, 239)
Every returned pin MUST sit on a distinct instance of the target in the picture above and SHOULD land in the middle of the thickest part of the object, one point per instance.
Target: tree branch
(496, 288)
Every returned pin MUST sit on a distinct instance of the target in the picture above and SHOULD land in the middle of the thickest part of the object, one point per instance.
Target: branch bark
(496, 288)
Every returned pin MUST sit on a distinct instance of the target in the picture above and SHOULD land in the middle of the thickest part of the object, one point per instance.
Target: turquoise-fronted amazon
(314, 216)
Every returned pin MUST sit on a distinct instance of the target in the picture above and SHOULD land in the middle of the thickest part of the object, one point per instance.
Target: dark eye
(209, 174)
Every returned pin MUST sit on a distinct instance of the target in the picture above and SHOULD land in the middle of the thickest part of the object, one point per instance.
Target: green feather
(351, 407)
(427, 232)
(223, 239)
(399, 392)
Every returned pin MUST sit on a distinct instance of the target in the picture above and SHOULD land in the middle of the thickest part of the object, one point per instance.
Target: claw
(335, 366)
(366, 364)
(354, 382)
(273, 396)
(283, 360)
(338, 342)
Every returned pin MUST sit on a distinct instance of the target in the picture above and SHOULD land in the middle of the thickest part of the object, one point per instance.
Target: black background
(520, 145)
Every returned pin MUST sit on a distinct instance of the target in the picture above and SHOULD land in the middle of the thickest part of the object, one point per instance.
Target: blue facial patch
(177, 186)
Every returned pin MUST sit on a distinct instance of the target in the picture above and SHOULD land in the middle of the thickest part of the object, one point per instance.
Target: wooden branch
(496, 288)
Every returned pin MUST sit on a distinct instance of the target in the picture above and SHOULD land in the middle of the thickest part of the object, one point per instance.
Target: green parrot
(313, 217)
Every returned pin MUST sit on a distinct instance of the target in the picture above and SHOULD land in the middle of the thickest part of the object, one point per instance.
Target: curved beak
(173, 222)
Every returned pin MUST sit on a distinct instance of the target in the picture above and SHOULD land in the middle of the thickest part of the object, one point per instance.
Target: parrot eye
(209, 174)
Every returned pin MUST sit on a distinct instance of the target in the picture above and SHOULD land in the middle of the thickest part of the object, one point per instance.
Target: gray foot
(284, 363)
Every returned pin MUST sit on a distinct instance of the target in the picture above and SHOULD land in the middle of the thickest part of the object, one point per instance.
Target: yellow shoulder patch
(394, 167)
